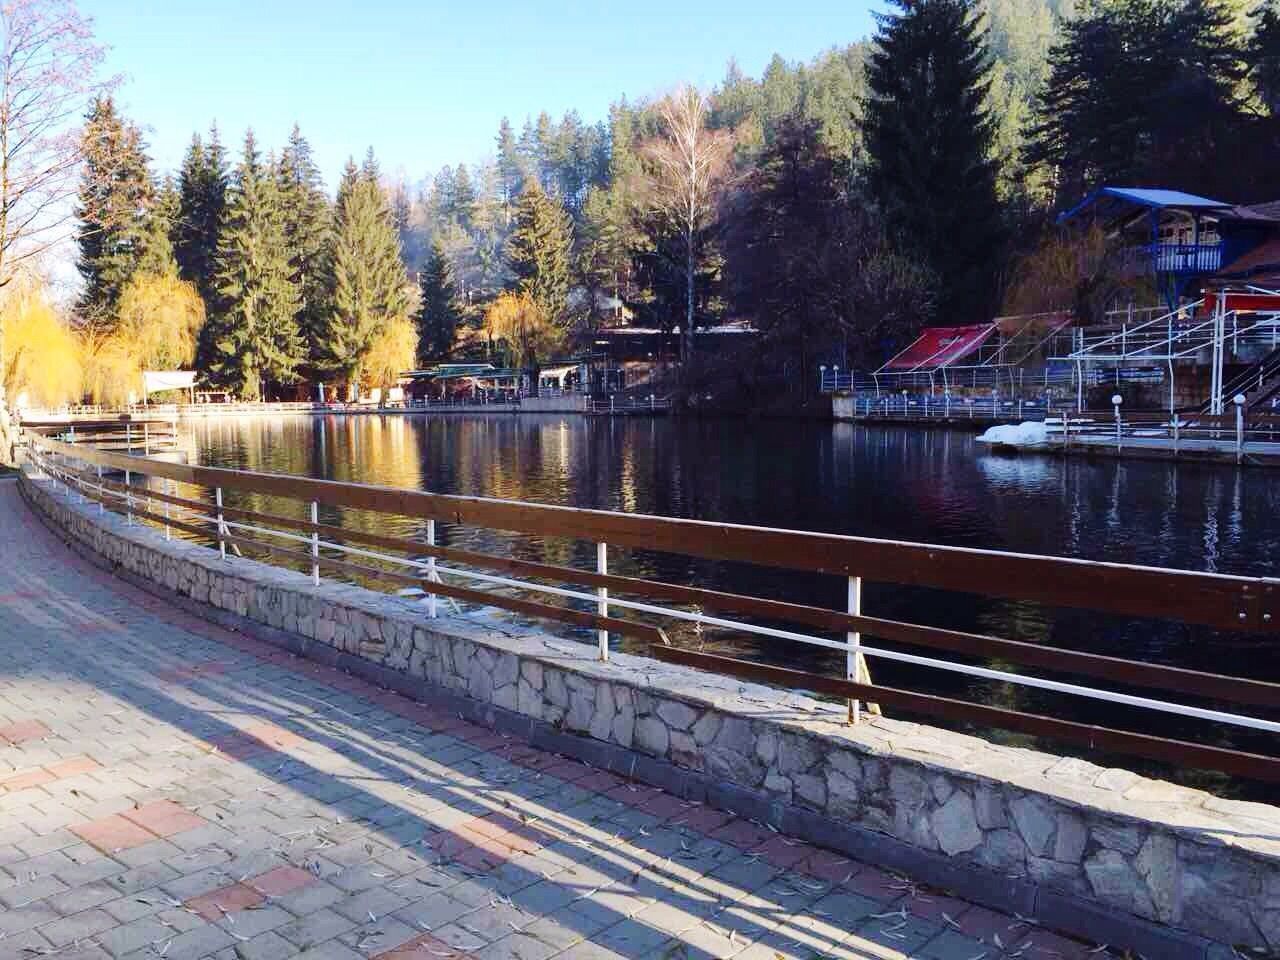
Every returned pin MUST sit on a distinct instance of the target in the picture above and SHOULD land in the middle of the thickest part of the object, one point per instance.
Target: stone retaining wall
(1099, 852)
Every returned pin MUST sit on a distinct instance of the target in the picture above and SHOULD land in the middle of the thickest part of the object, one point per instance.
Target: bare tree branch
(48, 67)
(689, 166)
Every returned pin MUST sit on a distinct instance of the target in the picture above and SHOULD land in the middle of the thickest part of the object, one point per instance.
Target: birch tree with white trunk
(688, 167)
(48, 75)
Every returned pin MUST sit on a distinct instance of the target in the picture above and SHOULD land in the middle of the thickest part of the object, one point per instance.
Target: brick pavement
(172, 789)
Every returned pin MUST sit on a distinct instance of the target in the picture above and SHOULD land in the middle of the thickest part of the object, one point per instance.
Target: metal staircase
(1258, 384)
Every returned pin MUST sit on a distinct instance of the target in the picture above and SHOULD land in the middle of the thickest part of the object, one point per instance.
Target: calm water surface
(907, 484)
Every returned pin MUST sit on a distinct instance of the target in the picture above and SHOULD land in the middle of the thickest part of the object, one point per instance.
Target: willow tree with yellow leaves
(391, 352)
(156, 327)
(39, 353)
(521, 331)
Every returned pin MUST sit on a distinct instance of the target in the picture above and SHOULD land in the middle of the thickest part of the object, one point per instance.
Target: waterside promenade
(170, 788)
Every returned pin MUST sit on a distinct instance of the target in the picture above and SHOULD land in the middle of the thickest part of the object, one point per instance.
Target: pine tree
(157, 256)
(604, 242)
(202, 199)
(540, 251)
(346, 184)
(307, 225)
(253, 341)
(464, 197)
(609, 233)
(928, 139)
(442, 194)
(510, 170)
(121, 229)
(489, 235)
(439, 315)
(368, 276)
(167, 207)
(1143, 90)
(370, 169)
(402, 217)
(1263, 55)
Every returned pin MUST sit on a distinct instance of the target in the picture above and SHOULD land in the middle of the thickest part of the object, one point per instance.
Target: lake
(899, 483)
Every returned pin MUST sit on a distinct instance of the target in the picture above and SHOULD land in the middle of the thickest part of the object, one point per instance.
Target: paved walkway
(171, 789)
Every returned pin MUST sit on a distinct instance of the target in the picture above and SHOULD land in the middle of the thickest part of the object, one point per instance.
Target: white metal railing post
(431, 569)
(128, 496)
(602, 597)
(315, 544)
(101, 506)
(168, 489)
(222, 529)
(854, 654)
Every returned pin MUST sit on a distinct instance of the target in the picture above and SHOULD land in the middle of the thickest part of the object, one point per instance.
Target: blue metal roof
(1147, 197)
(1153, 197)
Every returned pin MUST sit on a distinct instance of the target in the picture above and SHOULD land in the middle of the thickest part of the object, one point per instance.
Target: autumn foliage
(39, 353)
(519, 329)
(46, 362)
(157, 325)
(391, 352)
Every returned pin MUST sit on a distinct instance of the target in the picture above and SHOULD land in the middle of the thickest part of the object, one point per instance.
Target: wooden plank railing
(1231, 603)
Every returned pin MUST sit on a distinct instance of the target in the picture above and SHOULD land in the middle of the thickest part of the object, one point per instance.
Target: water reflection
(906, 484)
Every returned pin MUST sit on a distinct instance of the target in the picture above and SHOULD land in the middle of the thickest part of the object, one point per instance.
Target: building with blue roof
(1183, 241)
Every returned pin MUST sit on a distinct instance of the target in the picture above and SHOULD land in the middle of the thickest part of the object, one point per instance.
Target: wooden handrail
(1248, 604)
(1134, 673)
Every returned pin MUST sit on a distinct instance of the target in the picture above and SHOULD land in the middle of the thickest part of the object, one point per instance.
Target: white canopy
(155, 381)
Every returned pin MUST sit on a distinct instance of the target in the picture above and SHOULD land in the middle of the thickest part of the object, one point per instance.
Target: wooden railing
(1230, 603)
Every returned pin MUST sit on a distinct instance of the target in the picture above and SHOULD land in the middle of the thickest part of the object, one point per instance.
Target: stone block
(988, 805)
(955, 825)
(1116, 835)
(1113, 880)
(677, 715)
(1034, 817)
(706, 728)
(651, 736)
(1157, 863)
(1070, 839)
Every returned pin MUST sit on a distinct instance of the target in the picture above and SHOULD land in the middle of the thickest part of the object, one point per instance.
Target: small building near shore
(1184, 242)
(462, 381)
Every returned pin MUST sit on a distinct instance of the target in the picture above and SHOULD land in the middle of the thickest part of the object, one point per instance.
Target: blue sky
(426, 82)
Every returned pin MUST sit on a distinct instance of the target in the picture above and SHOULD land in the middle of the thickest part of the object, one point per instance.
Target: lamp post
(1238, 400)
(822, 378)
(1116, 400)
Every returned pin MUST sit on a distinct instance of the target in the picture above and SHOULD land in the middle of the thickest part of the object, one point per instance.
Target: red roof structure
(941, 347)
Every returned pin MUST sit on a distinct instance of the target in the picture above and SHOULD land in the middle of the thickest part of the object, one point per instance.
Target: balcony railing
(1184, 257)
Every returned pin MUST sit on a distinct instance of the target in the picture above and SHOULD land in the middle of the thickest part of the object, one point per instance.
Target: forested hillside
(836, 204)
